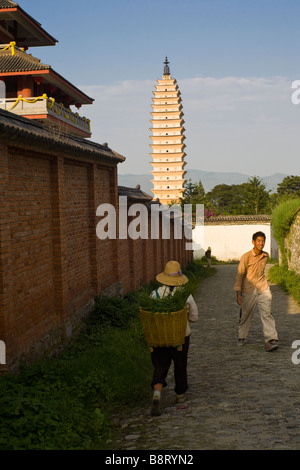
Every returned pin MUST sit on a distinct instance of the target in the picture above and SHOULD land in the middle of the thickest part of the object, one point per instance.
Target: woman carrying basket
(162, 357)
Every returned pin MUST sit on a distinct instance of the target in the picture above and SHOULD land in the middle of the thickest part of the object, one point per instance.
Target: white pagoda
(167, 140)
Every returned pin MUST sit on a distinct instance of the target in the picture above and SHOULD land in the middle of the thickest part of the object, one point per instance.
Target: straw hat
(172, 275)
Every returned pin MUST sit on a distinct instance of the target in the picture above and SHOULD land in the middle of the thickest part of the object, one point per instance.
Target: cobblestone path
(239, 398)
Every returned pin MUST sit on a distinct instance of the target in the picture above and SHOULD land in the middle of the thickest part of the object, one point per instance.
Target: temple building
(167, 140)
(27, 86)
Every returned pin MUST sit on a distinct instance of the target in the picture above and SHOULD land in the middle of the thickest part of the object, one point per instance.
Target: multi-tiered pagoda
(30, 88)
(167, 140)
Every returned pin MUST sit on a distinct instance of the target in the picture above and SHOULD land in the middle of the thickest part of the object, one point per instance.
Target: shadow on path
(239, 397)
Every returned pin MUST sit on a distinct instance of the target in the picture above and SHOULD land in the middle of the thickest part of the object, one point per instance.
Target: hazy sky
(234, 61)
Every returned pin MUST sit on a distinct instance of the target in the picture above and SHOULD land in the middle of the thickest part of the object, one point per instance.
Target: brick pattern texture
(52, 264)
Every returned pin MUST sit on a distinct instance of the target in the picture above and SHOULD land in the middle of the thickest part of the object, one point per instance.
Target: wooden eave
(20, 131)
(170, 180)
(53, 78)
(159, 129)
(170, 172)
(31, 33)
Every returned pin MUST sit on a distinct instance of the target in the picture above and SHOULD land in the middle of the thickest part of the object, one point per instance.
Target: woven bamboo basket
(164, 329)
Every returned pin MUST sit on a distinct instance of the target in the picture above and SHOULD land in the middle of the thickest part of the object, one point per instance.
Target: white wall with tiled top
(229, 241)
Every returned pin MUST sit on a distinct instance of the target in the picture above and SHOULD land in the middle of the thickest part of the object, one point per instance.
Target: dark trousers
(162, 359)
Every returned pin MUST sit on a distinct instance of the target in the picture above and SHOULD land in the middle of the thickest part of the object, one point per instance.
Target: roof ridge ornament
(11, 46)
(166, 68)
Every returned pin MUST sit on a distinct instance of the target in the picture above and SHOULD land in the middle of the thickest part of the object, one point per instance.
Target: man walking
(208, 256)
(252, 290)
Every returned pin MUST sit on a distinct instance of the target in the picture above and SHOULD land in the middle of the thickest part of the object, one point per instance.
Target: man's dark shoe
(241, 342)
(271, 345)
(155, 410)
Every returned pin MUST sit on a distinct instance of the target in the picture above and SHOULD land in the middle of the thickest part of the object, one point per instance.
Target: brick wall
(31, 260)
(51, 262)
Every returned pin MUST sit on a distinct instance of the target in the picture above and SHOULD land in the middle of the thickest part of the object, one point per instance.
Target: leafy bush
(282, 218)
(196, 271)
(40, 411)
(65, 403)
(214, 260)
(287, 280)
(115, 311)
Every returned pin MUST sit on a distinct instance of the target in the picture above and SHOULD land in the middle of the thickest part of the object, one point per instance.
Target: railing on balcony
(43, 105)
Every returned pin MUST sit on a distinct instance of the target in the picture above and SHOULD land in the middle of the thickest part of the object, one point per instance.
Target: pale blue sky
(234, 61)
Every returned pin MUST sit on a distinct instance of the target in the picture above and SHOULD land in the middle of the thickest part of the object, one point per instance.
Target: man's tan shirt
(251, 273)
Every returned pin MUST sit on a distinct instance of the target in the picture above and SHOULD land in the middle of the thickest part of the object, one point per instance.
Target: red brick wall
(51, 262)
(29, 218)
(6, 285)
(78, 234)
(107, 250)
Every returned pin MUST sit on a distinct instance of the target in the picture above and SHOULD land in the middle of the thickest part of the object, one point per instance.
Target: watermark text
(296, 93)
(296, 354)
(136, 221)
(2, 352)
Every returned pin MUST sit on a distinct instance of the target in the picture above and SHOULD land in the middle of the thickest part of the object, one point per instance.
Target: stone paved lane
(240, 398)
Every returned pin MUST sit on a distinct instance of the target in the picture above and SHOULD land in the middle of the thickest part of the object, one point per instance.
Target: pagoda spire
(166, 68)
(168, 147)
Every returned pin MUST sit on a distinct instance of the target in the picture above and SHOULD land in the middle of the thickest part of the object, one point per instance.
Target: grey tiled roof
(8, 4)
(17, 130)
(134, 194)
(20, 62)
(239, 218)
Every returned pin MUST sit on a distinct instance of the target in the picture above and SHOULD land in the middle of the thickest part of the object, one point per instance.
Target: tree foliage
(194, 193)
(226, 199)
(236, 199)
(251, 197)
(282, 218)
(289, 185)
(256, 197)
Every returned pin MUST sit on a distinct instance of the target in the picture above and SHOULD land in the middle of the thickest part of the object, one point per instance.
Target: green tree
(194, 193)
(225, 199)
(199, 191)
(256, 197)
(189, 191)
(289, 185)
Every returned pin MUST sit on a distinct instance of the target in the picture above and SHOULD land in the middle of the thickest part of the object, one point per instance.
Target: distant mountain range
(209, 179)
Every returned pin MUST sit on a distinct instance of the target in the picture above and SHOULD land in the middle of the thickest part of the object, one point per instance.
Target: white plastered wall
(230, 242)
